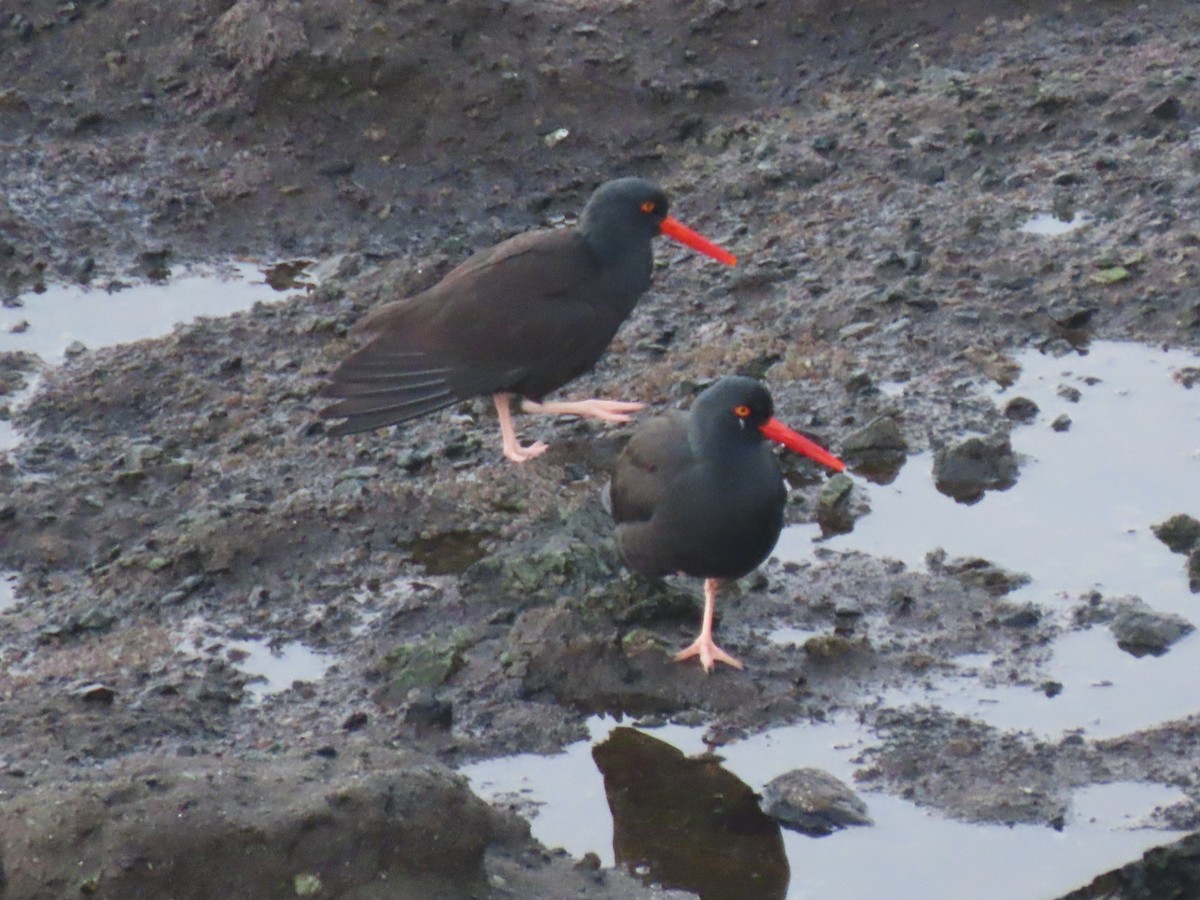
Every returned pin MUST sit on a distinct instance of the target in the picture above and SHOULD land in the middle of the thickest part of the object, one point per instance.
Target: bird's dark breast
(720, 523)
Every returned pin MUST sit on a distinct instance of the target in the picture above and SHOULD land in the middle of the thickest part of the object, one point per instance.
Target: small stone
(1061, 423)
(980, 573)
(932, 174)
(355, 721)
(428, 710)
(1111, 275)
(307, 884)
(878, 445)
(360, 473)
(589, 862)
(835, 491)
(1026, 617)
(95, 692)
(1169, 109)
(336, 167)
(83, 268)
(1021, 409)
(1181, 533)
(1069, 393)
(556, 137)
(856, 329)
(1142, 632)
(813, 802)
(967, 470)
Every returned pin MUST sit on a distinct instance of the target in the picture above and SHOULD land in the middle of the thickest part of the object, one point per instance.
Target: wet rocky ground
(870, 166)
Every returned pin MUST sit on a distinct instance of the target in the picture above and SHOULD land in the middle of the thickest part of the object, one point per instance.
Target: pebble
(965, 471)
(813, 802)
(1142, 632)
(1021, 409)
(1181, 533)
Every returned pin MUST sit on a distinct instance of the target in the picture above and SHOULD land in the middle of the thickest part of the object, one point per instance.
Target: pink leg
(704, 646)
(604, 410)
(512, 447)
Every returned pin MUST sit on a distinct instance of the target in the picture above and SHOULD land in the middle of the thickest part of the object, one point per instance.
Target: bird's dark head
(738, 411)
(733, 409)
(624, 206)
(634, 209)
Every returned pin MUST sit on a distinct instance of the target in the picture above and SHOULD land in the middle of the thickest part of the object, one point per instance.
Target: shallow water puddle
(51, 321)
(46, 324)
(1079, 518)
(1080, 514)
(1106, 692)
(1050, 225)
(8, 589)
(276, 668)
(272, 667)
(906, 853)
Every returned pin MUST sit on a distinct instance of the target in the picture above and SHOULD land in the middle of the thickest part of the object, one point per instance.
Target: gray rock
(878, 444)
(1021, 409)
(967, 470)
(95, 692)
(1142, 632)
(427, 832)
(1169, 109)
(976, 572)
(857, 329)
(839, 505)
(1181, 533)
(813, 802)
(1171, 871)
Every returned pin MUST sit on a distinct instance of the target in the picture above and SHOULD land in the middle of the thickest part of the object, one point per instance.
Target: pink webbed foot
(709, 653)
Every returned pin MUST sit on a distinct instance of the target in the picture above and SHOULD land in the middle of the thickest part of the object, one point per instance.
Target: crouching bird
(518, 320)
(700, 493)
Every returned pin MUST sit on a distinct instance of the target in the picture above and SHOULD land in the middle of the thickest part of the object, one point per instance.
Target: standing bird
(520, 319)
(701, 494)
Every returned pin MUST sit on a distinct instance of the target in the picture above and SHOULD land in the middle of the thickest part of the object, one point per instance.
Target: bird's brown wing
(487, 325)
(657, 455)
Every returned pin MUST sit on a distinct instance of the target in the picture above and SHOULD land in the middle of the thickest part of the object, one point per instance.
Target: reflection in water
(686, 822)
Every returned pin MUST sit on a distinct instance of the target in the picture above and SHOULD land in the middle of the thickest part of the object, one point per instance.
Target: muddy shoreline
(173, 496)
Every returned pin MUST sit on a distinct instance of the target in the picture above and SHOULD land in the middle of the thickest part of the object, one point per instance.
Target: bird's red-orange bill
(673, 228)
(781, 434)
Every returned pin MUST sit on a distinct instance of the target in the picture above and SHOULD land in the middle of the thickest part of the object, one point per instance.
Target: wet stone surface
(813, 802)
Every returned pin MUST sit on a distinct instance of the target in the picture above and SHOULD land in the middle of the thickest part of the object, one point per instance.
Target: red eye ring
(648, 206)
(742, 411)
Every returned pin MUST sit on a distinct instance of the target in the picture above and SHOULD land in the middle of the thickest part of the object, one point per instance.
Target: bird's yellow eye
(649, 206)
(742, 411)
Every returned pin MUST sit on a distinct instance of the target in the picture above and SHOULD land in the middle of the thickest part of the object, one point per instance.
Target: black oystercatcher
(520, 319)
(701, 494)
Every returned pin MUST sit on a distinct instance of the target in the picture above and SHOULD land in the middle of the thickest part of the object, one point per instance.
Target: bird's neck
(625, 263)
(719, 442)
